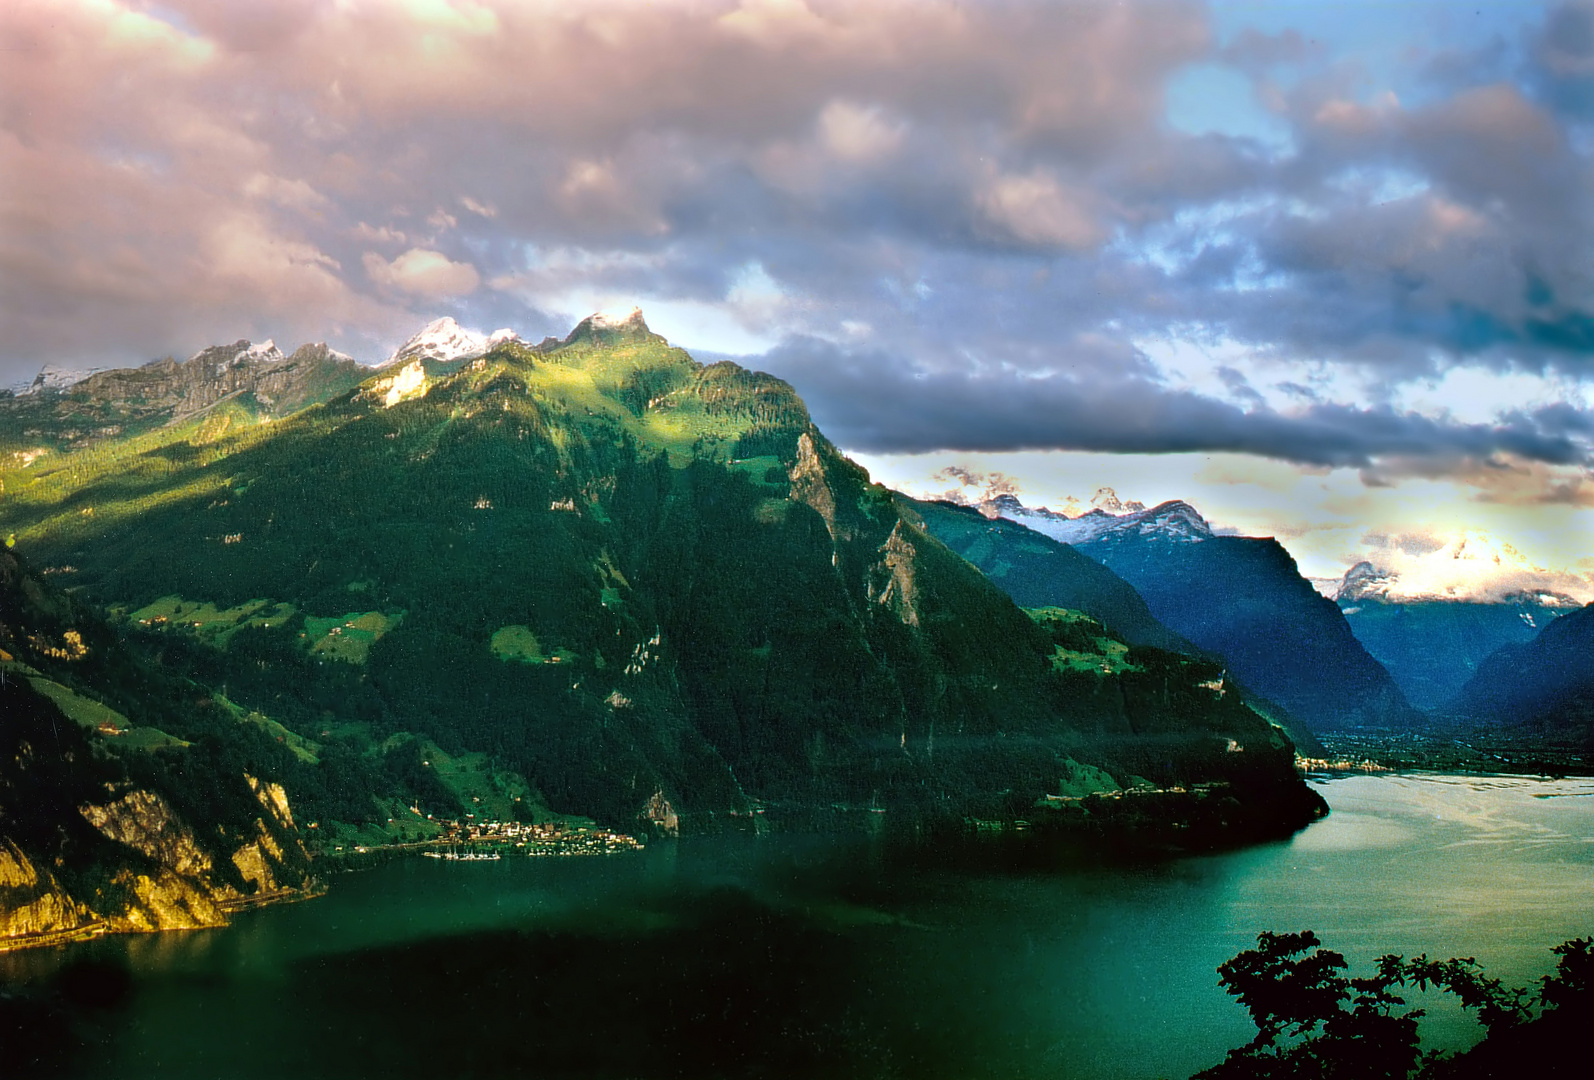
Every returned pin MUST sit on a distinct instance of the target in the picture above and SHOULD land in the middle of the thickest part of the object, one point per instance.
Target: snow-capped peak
(1469, 565)
(50, 378)
(1176, 521)
(444, 339)
(267, 351)
(1106, 500)
(1364, 581)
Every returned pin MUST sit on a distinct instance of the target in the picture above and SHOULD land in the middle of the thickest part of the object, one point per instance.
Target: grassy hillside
(614, 572)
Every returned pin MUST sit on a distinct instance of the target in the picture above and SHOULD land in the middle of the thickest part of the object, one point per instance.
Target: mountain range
(256, 381)
(1432, 645)
(595, 577)
(1240, 598)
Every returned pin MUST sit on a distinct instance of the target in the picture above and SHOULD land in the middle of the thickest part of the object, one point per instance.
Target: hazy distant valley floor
(793, 956)
(1506, 752)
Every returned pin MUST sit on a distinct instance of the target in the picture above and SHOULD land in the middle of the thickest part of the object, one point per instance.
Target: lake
(824, 956)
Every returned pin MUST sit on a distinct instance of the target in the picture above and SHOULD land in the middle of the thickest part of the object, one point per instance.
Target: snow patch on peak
(1364, 581)
(1466, 566)
(50, 378)
(266, 351)
(616, 320)
(1175, 521)
(442, 340)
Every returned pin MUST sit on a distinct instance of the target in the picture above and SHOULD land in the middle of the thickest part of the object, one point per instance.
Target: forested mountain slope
(628, 578)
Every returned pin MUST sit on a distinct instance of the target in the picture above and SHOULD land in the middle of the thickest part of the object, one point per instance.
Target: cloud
(960, 217)
(1035, 209)
(420, 272)
(1092, 405)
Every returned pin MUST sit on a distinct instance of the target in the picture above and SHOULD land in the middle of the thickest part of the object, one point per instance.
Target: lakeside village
(484, 841)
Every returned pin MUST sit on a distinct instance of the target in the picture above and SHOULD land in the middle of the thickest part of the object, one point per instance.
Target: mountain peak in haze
(1468, 566)
(444, 339)
(1107, 501)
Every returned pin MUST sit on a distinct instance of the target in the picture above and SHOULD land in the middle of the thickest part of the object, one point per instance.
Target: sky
(1323, 270)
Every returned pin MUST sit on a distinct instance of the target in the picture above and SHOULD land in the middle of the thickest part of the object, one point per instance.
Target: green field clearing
(210, 623)
(101, 718)
(302, 748)
(1083, 645)
(347, 637)
(519, 643)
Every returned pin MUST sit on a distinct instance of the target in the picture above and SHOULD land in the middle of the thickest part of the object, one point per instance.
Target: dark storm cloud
(986, 205)
(880, 402)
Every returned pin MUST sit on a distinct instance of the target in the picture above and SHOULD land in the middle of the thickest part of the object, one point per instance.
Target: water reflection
(793, 956)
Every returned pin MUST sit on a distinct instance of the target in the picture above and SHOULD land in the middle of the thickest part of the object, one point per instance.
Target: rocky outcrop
(808, 485)
(168, 881)
(896, 567)
(144, 822)
(32, 903)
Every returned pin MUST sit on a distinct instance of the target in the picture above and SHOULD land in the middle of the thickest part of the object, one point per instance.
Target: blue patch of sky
(1390, 40)
(1215, 99)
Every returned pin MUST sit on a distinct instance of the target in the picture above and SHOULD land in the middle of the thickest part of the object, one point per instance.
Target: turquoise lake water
(797, 956)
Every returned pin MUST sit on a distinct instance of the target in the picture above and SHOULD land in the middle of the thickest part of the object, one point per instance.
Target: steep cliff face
(137, 866)
(33, 904)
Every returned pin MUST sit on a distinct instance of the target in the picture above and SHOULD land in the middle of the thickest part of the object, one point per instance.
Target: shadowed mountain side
(1431, 648)
(1244, 599)
(1545, 685)
(1037, 571)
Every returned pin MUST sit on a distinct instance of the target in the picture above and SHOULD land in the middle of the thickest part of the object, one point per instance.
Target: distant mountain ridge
(1544, 685)
(127, 401)
(1432, 646)
(1037, 571)
(1241, 598)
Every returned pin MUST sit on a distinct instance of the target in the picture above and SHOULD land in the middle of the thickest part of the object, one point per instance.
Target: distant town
(472, 841)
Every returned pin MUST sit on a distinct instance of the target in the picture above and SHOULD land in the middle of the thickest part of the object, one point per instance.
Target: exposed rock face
(660, 816)
(146, 824)
(175, 886)
(808, 484)
(162, 901)
(899, 593)
(124, 401)
(33, 903)
(212, 374)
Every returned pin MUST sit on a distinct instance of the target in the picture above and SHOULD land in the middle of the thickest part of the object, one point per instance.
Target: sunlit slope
(619, 572)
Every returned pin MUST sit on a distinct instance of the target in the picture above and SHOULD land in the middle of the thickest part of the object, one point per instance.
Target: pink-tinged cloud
(422, 273)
